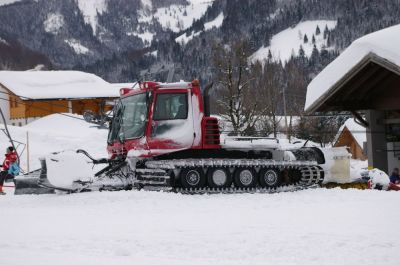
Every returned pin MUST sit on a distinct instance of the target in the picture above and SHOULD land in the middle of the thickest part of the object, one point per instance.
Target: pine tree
(317, 31)
(326, 32)
(305, 40)
(269, 55)
(313, 39)
(302, 54)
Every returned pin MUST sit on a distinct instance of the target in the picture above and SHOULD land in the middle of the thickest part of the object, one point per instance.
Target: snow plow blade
(30, 183)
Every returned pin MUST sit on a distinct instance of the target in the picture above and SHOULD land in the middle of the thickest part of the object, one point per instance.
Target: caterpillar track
(166, 175)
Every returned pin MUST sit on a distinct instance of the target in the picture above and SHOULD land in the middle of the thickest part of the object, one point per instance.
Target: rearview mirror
(121, 137)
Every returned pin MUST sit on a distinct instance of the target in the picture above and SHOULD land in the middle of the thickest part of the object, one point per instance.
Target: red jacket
(10, 158)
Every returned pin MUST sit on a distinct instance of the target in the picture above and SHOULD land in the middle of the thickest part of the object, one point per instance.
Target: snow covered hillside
(311, 227)
(180, 17)
(90, 9)
(288, 42)
(7, 2)
(216, 23)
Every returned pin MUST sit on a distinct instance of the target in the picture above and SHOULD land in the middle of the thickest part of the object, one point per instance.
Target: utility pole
(9, 135)
(285, 113)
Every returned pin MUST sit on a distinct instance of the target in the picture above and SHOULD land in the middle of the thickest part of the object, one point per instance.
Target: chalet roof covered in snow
(56, 85)
(365, 76)
(358, 131)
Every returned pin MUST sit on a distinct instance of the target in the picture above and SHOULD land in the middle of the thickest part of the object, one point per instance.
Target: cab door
(171, 122)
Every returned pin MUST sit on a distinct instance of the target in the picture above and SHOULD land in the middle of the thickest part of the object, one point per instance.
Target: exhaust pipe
(206, 99)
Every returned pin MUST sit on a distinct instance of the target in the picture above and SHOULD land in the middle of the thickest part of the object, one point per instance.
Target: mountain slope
(98, 35)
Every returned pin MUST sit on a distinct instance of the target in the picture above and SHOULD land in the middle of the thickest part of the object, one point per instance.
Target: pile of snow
(287, 43)
(90, 9)
(378, 177)
(216, 23)
(358, 169)
(55, 133)
(181, 17)
(59, 167)
(56, 84)
(77, 46)
(313, 227)
(384, 43)
(53, 23)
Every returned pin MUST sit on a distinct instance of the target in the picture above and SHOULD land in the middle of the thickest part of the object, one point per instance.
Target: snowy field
(309, 227)
(131, 227)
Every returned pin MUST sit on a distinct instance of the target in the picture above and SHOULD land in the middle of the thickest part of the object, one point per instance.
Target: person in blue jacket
(395, 178)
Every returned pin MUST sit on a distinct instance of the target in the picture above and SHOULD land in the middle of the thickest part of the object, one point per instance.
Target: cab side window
(171, 107)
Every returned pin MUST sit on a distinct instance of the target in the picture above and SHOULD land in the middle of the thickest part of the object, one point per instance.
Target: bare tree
(269, 84)
(237, 99)
(296, 83)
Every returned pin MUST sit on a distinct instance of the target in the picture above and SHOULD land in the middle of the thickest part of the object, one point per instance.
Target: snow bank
(57, 84)
(287, 43)
(358, 169)
(55, 133)
(384, 43)
(314, 227)
(65, 168)
(378, 177)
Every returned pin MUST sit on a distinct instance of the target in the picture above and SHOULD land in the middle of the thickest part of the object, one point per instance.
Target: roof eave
(370, 57)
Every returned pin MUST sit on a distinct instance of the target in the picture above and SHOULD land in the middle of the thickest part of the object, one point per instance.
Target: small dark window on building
(171, 107)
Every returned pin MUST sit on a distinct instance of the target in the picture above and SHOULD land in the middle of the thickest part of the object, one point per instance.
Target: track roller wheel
(192, 178)
(270, 178)
(219, 178)
(245, 178)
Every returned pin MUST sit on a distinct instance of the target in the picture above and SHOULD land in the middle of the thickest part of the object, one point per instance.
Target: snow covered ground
(310, 227)
(136, 227)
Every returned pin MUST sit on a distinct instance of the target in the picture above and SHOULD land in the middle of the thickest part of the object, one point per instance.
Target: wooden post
(27, 150)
